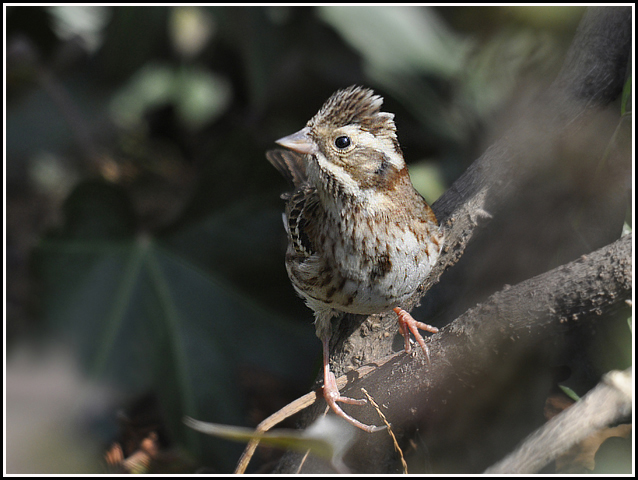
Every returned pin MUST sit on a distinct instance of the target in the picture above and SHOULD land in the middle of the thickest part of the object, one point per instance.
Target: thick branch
(485, 349)
(592, 76)
(508, 327)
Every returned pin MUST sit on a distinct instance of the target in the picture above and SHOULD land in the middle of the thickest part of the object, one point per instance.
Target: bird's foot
(408, 324)
(332, 396)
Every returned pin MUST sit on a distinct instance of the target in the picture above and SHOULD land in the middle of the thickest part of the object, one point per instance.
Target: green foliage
(146, 317)
(328, 437)
(570, 393)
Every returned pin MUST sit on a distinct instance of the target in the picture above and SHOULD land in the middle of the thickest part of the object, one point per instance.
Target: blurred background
(144, 243)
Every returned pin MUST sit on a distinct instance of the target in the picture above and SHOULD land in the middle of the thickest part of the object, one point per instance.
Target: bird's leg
(408, 324)
(332, 395)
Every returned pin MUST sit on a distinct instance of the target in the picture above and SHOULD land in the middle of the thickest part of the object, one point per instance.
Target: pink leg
(408, 324)
(332, 396)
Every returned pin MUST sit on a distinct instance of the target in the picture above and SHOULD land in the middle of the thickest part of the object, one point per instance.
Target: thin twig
(296, 406)
(394, 439)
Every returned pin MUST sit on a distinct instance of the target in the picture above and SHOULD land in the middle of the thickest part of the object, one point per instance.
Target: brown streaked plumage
(361, 239)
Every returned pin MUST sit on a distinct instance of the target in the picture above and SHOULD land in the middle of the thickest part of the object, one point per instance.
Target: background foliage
(143, 223)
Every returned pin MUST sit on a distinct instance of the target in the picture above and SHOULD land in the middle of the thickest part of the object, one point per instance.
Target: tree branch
(609, 402)
(593, 75)
(477, 359)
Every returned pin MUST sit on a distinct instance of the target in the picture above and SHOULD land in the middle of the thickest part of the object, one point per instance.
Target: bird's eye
(342, 142)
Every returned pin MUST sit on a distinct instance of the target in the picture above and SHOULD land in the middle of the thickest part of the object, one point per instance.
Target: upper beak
(299, 142)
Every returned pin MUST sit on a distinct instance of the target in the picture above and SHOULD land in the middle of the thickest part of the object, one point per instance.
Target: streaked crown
(356, 105)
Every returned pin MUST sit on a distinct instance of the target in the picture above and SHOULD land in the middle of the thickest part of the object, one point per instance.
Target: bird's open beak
(299, 142)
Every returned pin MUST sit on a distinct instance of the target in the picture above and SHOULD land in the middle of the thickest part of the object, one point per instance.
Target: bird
(361, 239)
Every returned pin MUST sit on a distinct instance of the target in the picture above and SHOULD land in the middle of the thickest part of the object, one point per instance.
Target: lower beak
(299, 142)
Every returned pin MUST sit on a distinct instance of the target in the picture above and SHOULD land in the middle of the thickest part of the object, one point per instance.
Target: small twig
(394, 439)
(276, 418)
(296, 406)
(303, 460)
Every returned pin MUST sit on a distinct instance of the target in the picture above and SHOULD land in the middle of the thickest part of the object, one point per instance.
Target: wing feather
(290, 164)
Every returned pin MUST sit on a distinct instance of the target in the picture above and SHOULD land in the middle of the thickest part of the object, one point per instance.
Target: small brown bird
(361, 239)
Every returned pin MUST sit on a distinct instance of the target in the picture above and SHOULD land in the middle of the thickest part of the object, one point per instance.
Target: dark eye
(342, 142)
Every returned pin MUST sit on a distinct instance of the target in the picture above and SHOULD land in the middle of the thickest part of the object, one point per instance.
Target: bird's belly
(368, 274)
(384, 282)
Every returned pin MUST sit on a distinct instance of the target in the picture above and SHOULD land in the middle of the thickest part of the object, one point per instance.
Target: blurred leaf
(200, 95)
(626, 97)
(85, 22)
(145, 317)
(428, 179)
(328, 437)
(448, 82)
(626, 228)
(190, 28)
(399, 39)
(558, 17)
(570, 393)
(403, 48)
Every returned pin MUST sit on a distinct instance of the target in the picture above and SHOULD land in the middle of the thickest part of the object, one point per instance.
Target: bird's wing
(290, 164)
(302, 215)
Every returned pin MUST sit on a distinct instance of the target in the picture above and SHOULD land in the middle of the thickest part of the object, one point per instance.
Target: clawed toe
(408, 324)
(332, 396)
(332, 402)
